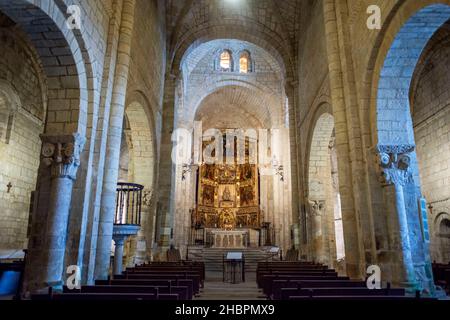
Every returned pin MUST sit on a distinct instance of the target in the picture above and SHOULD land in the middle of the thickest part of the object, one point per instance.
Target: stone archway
(141, 157)
(431, 120)
(441, 236)
(324, 222)
(394, 136)
(226, 100)
(66, 71)
(66, 85)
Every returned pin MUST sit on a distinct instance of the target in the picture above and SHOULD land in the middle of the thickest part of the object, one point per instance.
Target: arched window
(9, 102)
(225, 61)
(444, 227)
(244, 63)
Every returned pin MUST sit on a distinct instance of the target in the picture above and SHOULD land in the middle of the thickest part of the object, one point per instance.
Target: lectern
(233, 267)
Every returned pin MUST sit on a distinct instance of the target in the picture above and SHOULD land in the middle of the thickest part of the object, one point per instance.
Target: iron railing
(128, 204)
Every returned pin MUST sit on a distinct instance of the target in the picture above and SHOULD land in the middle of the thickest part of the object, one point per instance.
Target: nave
(271, 279)
(143, 140)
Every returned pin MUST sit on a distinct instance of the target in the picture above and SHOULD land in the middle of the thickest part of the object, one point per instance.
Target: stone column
(119, 241)
(295, 179)
(317, 245)
(107, 211)
(61, 155)
(395, 165)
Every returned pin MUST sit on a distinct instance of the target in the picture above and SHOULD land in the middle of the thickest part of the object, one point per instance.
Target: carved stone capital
(62, 154)
(147, 197)
(395, 163)
(317, 207)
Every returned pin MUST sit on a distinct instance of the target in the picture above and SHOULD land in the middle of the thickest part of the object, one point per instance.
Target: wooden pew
(306, 281)
(183, 265)
(329, 273)
(267, 281)
(95, 297)
(277, 285)
(175, 279)
(182, 292)
(286, 293)
(355, 298)
(149, 283)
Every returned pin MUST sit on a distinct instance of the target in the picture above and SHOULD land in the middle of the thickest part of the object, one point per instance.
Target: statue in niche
(227, 220)
(226, 196)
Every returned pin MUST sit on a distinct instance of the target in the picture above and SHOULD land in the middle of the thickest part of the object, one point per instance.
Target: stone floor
(216, 289)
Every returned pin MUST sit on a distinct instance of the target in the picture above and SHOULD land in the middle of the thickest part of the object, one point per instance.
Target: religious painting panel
(208, 195)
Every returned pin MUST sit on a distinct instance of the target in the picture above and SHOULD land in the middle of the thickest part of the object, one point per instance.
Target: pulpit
(229, 238)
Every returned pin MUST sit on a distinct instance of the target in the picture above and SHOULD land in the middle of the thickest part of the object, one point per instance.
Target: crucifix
(9, 186)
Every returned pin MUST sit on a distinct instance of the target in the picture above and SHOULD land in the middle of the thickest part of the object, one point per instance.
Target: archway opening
(430, 107)
(442, 238)
(137, 166)
(230, 102)
(325, 227)
(397, 146)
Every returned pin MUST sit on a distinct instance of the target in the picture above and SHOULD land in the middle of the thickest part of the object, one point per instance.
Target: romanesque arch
(324, 220)
(67, 69)
(191, 41)
(393, 135)
(140, 139)
(441, 234)
(68, 100)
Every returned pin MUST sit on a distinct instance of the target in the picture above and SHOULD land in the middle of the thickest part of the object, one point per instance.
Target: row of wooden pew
(441, 274)
(155, 281)
(306, 281)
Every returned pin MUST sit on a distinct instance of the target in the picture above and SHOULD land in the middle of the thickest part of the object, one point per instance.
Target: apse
(229, 85)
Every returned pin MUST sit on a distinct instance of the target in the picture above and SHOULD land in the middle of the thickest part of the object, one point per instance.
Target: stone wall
(19, 160)
(22, 112)
(431, 117)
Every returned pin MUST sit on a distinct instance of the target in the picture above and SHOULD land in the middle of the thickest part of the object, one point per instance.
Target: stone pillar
(166, 171)
(60, 159)
(295, 178)
(107, 211)
(395, 165)
(317, 237)
(347, 139)
(119, 241)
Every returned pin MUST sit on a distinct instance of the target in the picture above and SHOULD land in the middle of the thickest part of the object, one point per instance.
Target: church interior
(224, 149)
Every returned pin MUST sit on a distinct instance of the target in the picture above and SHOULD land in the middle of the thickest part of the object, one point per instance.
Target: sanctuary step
(213, 257)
